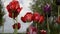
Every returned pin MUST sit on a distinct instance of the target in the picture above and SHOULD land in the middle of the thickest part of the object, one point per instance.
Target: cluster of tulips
(14, 9)
(36, 17)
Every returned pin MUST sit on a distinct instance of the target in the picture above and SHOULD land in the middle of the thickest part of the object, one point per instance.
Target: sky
(9, 21)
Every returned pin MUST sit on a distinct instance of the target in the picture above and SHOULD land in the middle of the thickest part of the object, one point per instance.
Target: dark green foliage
(1, 14)
(37, 6)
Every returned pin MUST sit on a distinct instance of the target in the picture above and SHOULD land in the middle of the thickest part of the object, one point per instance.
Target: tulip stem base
(58, 11)
(3, 29)
(15, 31)
(48, 26)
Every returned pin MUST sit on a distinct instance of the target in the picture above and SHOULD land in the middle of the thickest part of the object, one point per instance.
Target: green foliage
(1, 14)
(37, 6)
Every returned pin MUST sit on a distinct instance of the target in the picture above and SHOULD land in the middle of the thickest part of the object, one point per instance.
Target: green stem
(16, 26)
(15, 30)
(37, 27)
(3, 29)
(58, 11)
(58, 14)
(48, 25)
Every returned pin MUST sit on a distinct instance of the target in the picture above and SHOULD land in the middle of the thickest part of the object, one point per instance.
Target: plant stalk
(48, 26)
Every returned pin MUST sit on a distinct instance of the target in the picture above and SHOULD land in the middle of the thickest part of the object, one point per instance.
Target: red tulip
(13, 15)
(17, 25)
(28, 16)
(8, 7)
(23, 19)
(43, 32)
(19, 9)
(14, 0)
(41, 19)
(32, 30)
(36, 16)
(13, 7)
(10, 15)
